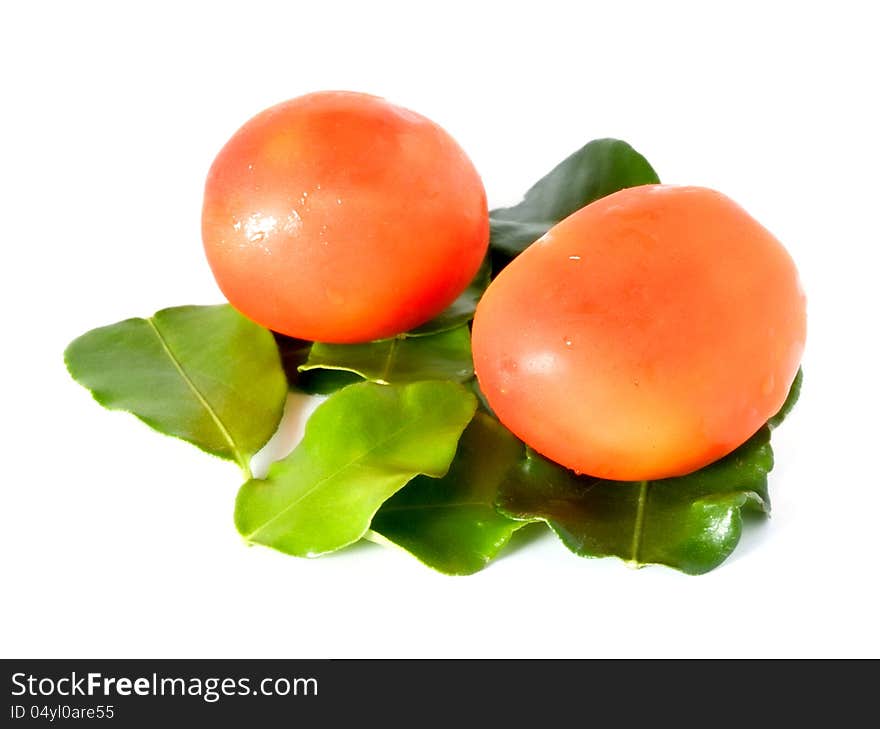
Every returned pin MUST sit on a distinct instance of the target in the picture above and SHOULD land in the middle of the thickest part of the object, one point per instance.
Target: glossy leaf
(441, 356)
(462, 309)
(451, 523)
(794, 393)
(691, 523)
(205, 374)
(361, 445)
(601, 167)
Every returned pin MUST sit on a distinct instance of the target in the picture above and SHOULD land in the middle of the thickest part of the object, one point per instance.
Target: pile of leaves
(404, 450)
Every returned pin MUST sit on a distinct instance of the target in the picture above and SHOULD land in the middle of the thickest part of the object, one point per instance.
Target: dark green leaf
(326, 382)
(451, 523)
(691, 523)
(205, 374)
(481, 397)
(462, 309)
(441, 356)
(295, 353)
(360, 446)
(601, 167)
(793, 394)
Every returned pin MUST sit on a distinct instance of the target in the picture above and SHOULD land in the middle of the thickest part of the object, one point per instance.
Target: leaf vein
(639, 527)
(224, 431)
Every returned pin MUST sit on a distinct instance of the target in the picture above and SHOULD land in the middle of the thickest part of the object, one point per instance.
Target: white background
(118, 542)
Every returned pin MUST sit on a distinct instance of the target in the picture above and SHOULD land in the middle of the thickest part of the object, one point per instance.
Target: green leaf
(402, 359)
(794, 393)
(205, 374)
(451, 523)
(462, 309)
(601, 167)
(691, 523)
(361, 445)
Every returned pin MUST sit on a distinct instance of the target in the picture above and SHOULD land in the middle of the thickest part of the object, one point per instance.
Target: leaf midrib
(389, 362)
(639, 526)
(218, 422)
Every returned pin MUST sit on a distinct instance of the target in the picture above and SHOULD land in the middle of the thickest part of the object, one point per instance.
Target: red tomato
(645, 336)
(340, 217)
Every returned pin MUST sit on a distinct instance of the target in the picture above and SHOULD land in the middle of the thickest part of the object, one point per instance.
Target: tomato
(340, 217)
(645, 336)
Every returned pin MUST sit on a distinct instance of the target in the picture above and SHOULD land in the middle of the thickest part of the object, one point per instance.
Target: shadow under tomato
(295, 352)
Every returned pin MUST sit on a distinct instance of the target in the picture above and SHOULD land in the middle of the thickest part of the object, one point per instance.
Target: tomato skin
(645, 336)
(339, 217)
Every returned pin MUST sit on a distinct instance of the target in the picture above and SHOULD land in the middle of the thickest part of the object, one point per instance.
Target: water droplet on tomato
(258, 226)
(509, 364)
(293, 222)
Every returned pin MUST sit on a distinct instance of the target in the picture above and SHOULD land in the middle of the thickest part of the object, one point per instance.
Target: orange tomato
(340, 217)
(645, 336)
